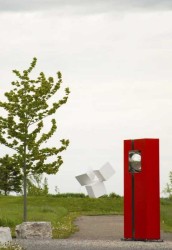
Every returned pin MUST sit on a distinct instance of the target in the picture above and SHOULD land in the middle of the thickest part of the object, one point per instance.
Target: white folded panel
(96, 189)
(105, 172)
(85, 179)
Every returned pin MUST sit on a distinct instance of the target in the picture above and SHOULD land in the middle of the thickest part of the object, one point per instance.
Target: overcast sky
(116, 58)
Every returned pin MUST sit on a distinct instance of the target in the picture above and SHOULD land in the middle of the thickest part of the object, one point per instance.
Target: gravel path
(99, 227)
(71, 244)
(109, 227)
(97, 233)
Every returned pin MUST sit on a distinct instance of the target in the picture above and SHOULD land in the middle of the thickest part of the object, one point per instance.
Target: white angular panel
(94, 180)
(105, 172)
(85, 179)
(96, 189)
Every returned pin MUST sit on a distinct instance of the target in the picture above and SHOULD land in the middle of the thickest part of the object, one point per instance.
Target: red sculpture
(141, 190)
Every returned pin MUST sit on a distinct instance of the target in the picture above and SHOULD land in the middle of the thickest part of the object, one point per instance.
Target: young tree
(37, 186)
(27, 106)
(10, 175)
(168, 188)
(45, 188)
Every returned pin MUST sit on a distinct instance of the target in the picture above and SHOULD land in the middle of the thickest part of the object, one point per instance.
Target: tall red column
(141, 190)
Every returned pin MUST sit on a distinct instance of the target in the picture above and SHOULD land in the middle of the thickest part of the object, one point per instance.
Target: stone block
(85, 179)
(105, 172)
(5, 235)
(96, 189)
(34, 230)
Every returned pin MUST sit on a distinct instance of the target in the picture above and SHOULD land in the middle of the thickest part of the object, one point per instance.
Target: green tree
(45, 186)
(10, 175)
(168, 189)
(37, 186)
(27, 106)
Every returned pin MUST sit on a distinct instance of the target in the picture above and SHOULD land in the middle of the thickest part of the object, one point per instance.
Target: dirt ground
(104, 228)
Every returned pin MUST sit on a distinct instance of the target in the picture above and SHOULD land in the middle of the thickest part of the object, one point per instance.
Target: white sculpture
(96, 189)
(85, 179)
(94, 180)
(105, 172)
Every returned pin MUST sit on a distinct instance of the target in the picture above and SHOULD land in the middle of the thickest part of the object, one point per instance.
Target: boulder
(34, 230)
(5, 235)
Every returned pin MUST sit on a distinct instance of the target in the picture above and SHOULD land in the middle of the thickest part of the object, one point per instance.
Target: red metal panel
(140, 194)
(152, 189)
(127, 193)
(146, 191)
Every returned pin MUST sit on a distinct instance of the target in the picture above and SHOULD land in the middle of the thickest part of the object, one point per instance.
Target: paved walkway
(99, 227)
(97, 233)
(107, 227)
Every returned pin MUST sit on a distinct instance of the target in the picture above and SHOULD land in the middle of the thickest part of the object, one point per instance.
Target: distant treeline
(82, 195)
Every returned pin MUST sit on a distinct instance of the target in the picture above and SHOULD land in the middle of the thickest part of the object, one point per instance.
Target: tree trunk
(24, 183)
(24, 193)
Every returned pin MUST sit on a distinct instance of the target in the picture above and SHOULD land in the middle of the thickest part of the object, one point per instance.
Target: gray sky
(116, 57)
(88, 6)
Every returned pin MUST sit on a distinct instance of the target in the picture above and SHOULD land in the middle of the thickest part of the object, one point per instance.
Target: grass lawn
(166, 214)
(62, 211)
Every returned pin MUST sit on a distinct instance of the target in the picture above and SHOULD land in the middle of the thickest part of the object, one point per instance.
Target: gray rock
(34, 230)
(5, 235)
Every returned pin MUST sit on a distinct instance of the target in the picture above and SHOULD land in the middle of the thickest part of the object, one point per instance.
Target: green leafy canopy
(10, 175)
(26, 107)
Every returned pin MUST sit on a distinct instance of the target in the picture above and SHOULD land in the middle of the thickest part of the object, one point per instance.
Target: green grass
(166, 214)
(61, 210)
